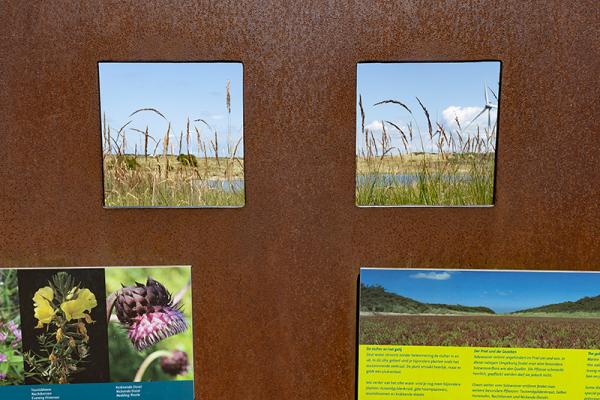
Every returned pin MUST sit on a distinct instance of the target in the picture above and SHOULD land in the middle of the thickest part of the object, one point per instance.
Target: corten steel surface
(275, 281)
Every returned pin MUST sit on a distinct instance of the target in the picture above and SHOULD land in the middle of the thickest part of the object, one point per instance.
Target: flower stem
(146, 363)
(110, 303)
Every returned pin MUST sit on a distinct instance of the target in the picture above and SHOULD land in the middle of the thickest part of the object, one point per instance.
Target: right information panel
(479, 334)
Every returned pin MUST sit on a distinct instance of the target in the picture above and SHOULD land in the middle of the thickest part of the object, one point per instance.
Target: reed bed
(169, 169)
(459, 171)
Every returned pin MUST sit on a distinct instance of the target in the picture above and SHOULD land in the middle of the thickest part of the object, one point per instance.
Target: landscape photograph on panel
(483, 308)
(478, 334)
(172, 134)
(114, 332)
(426, 133)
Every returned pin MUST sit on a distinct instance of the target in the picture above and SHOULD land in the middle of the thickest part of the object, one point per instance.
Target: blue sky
(446, 89)
(179, 91)
(502, 291)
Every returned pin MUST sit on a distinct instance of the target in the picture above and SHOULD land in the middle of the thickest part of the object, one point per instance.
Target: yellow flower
(43, 310)
(78, 308)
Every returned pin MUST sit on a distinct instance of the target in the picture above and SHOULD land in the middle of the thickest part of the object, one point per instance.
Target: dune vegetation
(189, 168)
(449, 166)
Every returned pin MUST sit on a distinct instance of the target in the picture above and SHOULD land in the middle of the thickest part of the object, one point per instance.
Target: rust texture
(275, 281)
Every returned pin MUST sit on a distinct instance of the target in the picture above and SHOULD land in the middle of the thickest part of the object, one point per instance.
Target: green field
(389, 318)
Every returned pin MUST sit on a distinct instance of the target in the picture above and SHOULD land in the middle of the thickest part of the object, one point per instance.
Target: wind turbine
(488, 106)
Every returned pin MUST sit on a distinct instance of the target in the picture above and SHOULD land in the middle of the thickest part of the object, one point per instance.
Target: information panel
(103, 333)
(466, 334)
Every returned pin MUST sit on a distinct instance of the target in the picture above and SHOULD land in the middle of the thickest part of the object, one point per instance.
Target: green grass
(438, 180)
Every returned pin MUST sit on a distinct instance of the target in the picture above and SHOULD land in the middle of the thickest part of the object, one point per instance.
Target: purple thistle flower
(2, 376)
(148, 313)
(3, 358)
(175, 364)
(3, 336)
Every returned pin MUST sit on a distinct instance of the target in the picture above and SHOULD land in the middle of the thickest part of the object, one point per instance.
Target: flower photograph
(149, 313)
(11, 353)
(64, 325)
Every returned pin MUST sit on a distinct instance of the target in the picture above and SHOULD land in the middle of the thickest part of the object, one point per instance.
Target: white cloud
(464, 114)
(435, 276)
(377, 126)
(374, 126)
(503, 292)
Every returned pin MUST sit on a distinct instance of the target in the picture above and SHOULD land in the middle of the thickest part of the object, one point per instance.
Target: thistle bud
(175, 364)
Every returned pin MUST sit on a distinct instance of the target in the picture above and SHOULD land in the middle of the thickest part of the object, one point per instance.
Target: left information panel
(106, 333)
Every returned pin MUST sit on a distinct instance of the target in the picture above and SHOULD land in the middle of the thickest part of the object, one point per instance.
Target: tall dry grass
(172, 170)
(458, 171)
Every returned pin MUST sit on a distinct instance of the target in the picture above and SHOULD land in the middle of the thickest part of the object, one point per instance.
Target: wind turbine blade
(493, 93)
(477, 116)
(485, 93)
